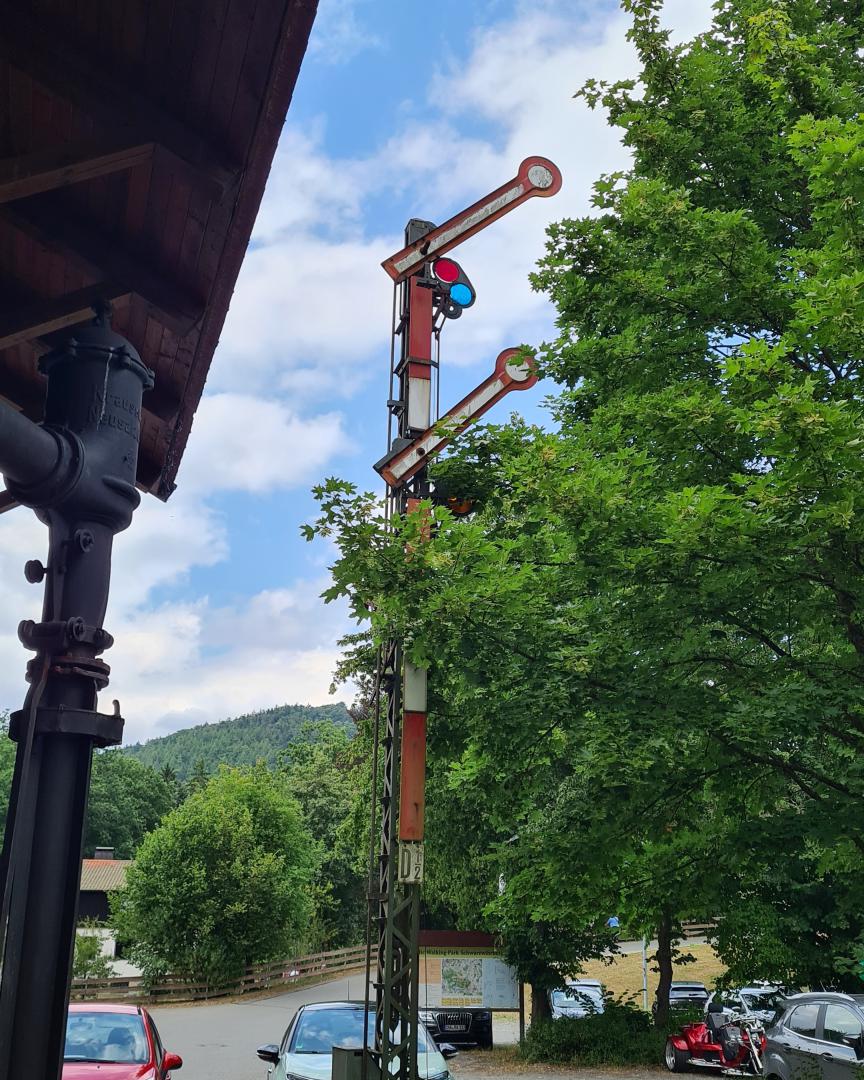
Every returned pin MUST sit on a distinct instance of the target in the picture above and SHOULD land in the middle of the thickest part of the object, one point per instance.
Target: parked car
(114, 1042)
(580, 997)
(684, 994)
(459, 1027)
(820, 1034)
(306, 1050)
(762, 1001)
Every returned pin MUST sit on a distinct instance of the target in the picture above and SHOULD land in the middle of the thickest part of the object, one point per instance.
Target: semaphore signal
(431, 286)
(453, 287)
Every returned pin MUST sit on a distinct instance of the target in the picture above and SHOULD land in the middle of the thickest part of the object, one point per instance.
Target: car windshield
(577, 996)
(319, 1030)
(105, 1036)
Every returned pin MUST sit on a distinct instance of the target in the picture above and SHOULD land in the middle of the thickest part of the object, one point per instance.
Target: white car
(306, 1050)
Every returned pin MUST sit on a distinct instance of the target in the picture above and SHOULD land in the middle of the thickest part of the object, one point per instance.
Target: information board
(463, 979)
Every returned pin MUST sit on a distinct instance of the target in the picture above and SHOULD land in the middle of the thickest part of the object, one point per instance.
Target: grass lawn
(624, 974)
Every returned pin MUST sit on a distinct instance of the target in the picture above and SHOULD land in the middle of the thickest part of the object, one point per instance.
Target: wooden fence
(697, 929)
(282, 973)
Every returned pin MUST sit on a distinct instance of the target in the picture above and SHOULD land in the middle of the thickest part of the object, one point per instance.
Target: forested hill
(241, 741)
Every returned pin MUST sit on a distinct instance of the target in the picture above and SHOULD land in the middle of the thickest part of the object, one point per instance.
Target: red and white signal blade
(536, 176)
(513, 371)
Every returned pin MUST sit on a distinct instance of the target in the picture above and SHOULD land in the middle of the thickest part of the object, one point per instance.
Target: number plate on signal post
(410, 862)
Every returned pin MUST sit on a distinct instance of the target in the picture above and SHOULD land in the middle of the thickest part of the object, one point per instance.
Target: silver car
(818, 1035)
(762, 1001)
(581, 997)
(306, 1050)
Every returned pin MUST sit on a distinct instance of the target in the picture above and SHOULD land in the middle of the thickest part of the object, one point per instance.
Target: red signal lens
(445, 270)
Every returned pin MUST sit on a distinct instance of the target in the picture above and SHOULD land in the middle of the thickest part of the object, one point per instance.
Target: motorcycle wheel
(675, 1060)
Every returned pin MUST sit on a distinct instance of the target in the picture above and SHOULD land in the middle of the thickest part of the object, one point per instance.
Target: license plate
(455, 1027)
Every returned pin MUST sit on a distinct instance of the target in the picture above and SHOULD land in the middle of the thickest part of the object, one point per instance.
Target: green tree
(223, 882)
(127, 800)
(198, 777)
(646, 649)
(88, 961)
(174, 783)
(7, 766)
(321, 769)
(242, 740)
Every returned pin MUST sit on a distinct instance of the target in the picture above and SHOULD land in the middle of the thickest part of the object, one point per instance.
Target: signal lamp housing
(453, 287)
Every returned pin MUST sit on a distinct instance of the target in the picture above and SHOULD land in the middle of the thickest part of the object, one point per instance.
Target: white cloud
(164, 542)
(244, 682)
(182, 664)
(306, 189)
(304, 313)
(338, 35)
(244, 443)
(312, 300)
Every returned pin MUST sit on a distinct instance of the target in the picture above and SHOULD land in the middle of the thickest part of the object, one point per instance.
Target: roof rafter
(51, 225)
(46, 170)
(45, 315)
(95, 89)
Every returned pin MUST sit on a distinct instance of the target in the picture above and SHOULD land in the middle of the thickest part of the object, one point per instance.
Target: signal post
(432, 288)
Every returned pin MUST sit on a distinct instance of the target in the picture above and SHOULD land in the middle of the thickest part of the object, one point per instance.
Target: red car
(114, 1042)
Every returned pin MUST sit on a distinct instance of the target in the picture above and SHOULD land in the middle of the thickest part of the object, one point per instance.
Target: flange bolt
(34, 571)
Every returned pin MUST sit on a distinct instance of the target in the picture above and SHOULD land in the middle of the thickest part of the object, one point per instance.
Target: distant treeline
(259, 736)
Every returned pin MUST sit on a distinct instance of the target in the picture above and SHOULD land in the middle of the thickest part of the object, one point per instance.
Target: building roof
(103, 875)
(135, 141)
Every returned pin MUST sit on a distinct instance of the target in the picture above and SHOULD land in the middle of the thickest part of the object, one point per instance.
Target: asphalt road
(218, 1041)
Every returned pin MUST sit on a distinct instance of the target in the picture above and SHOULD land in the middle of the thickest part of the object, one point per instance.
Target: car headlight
(440, 1076)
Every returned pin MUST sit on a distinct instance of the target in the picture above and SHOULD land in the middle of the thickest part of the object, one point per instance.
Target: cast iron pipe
(92, 420)
(28, 453)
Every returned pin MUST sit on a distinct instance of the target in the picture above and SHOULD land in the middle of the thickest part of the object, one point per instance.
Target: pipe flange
(59, 634)
(105, 729)
(94, 669)
(101, 344)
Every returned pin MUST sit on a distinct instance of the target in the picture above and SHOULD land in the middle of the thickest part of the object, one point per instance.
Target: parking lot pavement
(480, 1065)
(217, 1041)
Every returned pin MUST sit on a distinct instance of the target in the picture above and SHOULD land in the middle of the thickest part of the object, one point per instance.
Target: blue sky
(401, 110)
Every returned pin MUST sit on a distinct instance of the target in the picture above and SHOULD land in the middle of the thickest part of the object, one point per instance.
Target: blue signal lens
(461, 294)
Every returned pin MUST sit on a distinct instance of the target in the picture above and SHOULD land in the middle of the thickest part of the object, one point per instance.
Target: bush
(88, 962)
(622, 1035)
